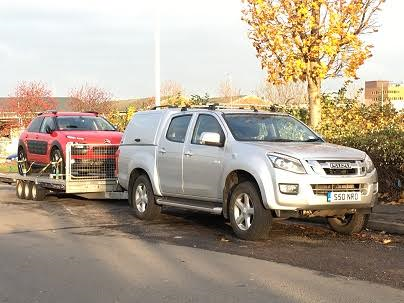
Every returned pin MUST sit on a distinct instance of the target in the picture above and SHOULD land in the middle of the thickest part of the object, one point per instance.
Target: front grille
(93, 168)
(338, 167)
(79, 150)
(105, 150)
(92, 161)
(323, 189)
(340, 172)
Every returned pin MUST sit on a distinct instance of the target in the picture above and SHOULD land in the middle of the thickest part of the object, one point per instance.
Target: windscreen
(271, 128)
(92, 123)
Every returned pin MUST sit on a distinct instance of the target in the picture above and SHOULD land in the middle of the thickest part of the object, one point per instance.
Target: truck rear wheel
(142, 199)
(349, 224)
(248, 217)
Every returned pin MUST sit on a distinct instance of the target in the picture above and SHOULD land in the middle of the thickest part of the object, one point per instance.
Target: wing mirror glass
(212, 139)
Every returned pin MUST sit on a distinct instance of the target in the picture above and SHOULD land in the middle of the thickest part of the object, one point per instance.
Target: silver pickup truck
(250, 166)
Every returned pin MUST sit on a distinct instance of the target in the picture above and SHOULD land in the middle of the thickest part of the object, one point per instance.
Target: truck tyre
(38, 193)
(248, 217)
(19, 189)
(142, 199)
(349, 224)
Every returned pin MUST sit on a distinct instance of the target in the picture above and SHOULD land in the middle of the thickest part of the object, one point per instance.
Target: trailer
(88, 170)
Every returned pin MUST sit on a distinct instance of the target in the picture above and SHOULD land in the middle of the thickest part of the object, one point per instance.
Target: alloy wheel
(243, 211)
(141, 198)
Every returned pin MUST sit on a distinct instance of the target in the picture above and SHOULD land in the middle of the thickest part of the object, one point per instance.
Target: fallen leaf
(386, 241)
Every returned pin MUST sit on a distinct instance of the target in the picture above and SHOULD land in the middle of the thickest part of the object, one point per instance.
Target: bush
(376, 130)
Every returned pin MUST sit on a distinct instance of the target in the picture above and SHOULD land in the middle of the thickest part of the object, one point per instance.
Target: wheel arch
(56, 144)
(135, 173)
(21, 144)
(232, 180)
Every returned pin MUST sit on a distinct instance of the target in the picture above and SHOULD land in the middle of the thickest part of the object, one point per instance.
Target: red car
(45, 139)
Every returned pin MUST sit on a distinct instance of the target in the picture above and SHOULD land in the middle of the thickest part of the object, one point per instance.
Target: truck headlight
(287, 163)
(369, 164)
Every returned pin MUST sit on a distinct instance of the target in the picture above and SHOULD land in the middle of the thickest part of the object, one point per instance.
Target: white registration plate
(343, 196)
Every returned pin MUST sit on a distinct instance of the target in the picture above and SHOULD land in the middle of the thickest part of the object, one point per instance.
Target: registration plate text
(343, 196)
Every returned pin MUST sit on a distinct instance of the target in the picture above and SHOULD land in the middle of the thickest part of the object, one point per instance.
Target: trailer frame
(95, 185)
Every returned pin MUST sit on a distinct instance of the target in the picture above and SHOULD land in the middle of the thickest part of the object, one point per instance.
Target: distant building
(382, 91)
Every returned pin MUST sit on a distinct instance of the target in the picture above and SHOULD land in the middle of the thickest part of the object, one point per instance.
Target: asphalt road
(75, 250)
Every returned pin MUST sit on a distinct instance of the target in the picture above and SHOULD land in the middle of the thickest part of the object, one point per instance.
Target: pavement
(66, 249)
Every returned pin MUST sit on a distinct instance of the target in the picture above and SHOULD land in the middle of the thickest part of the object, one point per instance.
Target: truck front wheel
(248, 217)
(349, 224)
(142, 199)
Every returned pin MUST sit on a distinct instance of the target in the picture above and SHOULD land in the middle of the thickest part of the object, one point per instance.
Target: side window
(35, 125)
(206, 123)
(48, 121)
(178, 128)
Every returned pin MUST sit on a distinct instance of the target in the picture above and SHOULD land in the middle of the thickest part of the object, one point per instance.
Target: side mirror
(48, 129)
(211, 139)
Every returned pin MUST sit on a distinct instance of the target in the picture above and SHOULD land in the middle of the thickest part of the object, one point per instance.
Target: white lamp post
(157, 71)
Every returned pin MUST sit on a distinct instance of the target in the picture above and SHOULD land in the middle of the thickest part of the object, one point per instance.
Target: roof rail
(49, 111)
(91, 112)
(164, 106)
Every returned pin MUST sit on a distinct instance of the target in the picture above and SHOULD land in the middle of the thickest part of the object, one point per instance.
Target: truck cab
(250, 166)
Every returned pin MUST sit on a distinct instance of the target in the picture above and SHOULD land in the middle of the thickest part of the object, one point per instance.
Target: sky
(111, 44)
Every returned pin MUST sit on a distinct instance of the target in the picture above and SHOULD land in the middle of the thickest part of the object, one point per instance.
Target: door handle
(162, 150)
(188, 153)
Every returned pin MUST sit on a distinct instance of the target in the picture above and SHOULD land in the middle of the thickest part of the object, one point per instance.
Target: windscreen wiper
(281, 140)
(313, 140)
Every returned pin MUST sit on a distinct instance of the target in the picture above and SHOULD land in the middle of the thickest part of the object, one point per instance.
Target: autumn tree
(91, 98)
(291, 93)
(171, 89)
(172, 93)
(227, 91)
(29, 98)
(311, 40)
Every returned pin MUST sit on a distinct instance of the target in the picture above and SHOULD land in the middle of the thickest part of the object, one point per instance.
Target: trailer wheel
(19, 189)
(38, 193)
(28, 190)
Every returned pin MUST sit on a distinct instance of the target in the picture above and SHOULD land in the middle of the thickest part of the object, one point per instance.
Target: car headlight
(287, 163)
(369, 164)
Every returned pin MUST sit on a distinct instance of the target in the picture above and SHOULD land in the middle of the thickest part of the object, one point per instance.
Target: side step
(209, 207)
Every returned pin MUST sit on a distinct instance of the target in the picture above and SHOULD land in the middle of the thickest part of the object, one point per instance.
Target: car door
(203, 164)
(169, 155)
(31, 140)
(44, 139)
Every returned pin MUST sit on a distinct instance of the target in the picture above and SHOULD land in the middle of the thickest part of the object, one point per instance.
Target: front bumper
(310, 198)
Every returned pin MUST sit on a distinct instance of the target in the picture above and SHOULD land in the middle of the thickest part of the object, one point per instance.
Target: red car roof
(69, 114)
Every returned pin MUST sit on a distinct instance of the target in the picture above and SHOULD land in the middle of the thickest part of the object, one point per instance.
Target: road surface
(71, 250)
